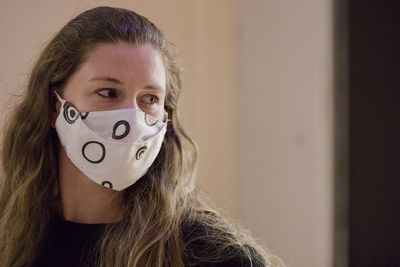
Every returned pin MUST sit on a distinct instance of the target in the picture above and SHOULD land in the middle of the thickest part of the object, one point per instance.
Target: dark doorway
(373, 85)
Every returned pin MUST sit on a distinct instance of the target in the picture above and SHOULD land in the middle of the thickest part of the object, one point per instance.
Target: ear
(55, 110)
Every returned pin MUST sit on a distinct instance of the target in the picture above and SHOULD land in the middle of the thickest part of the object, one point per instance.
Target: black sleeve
(238, 262)
(201, 247)
(243, 261)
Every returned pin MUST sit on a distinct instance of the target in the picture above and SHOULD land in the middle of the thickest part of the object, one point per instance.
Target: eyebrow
(150, 87)
(116, 81)
(106, 79)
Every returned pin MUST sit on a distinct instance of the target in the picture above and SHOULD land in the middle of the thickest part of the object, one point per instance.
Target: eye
(107, 93)
(150, 99)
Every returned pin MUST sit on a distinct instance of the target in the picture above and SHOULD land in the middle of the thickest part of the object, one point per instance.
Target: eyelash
(156, 100)
(115, 95)
(109, 90)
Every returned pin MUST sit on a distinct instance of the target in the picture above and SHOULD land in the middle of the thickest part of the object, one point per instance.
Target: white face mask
(114, 148)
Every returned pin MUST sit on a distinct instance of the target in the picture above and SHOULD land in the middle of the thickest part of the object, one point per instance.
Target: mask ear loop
(62, 101)
(167, 119)
(59, 97)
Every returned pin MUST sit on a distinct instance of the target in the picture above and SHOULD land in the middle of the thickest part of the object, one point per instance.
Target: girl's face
(117, 76)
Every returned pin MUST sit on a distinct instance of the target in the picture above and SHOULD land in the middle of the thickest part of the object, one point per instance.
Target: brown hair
(156, 208)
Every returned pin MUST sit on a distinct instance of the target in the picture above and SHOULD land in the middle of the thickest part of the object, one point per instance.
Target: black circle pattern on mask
(107, 184)
(103, 154)
(125, 133)
(140, 152)
(70, 113)
(149, 120)
(84, 115)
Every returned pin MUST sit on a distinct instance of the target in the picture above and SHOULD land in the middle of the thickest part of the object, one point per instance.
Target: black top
(69, 244)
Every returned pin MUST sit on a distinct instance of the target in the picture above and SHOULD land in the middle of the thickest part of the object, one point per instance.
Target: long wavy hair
(156, 208)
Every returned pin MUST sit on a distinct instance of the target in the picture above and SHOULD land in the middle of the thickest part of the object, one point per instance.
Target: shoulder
(208, 246)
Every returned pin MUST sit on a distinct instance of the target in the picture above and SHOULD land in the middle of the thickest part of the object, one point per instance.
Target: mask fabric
(114, 148)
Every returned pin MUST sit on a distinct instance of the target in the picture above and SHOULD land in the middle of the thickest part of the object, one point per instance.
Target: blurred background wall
(286, 126)
(257, 98)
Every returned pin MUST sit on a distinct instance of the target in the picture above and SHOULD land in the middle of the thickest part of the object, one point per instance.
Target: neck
(84, 201)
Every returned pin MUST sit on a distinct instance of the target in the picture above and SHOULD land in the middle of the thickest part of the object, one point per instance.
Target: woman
(97, 169)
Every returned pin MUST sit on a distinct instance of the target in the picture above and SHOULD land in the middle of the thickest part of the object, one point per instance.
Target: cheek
(161, 113)
(83, 106)
(78, 99)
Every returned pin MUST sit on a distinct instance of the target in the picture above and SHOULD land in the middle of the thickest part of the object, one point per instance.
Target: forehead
(126, 62)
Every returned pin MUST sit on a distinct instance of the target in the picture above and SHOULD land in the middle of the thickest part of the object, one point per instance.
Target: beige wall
(286, 127)
(257, 99)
